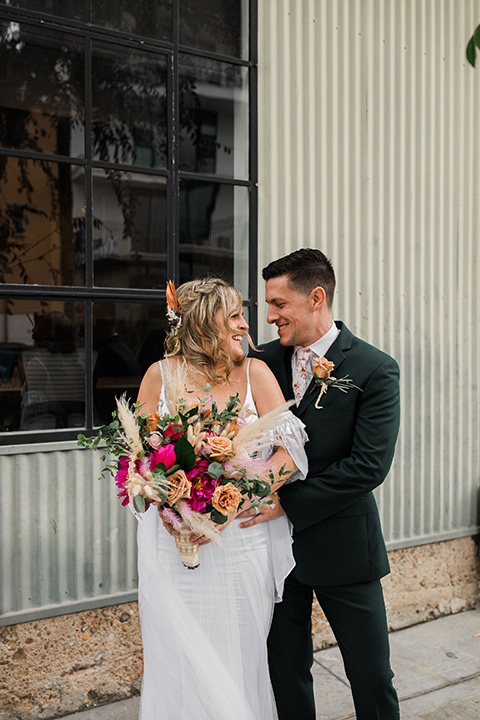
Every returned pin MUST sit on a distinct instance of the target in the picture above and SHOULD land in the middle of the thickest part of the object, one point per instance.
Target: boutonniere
(322, 374)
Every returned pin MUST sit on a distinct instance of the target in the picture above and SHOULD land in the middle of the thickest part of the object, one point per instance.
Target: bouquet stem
(188, 551)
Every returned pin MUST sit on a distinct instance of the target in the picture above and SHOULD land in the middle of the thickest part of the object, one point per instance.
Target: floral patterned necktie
(302, 365)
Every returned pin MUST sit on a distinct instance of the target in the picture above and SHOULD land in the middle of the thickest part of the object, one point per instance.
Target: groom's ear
(319, 297)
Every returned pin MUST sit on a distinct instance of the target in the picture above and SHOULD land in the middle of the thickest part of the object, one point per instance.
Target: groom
(338, 544)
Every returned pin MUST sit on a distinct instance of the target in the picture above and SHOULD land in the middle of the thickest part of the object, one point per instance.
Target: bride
(204, 632)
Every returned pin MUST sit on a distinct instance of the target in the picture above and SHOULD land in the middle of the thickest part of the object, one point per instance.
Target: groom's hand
(266, 512)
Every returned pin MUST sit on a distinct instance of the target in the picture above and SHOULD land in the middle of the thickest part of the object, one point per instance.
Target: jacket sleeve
(344, 482)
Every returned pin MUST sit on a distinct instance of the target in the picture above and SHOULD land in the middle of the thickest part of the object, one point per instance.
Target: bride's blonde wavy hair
(196, 339)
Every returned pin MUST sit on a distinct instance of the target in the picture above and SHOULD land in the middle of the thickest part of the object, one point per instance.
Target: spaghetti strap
(249, 401)
(162, 402)
(161, 371)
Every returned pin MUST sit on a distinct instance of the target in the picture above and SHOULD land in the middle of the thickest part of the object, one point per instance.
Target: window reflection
(42, 359)
(72, 9)
(42, 365)
(213, 117)
(42, 101)
(220, 27)
(150, 19)
(129, 106)
(129, 230)
(214, 232)
(128, 338)
(41, 208)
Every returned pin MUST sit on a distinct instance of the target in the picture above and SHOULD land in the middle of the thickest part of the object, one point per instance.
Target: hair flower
(173, 315)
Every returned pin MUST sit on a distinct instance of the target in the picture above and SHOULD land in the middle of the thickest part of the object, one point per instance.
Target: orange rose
(181, 487)
(221, 447)
(322, 368)
(226, 498)
(152, 422)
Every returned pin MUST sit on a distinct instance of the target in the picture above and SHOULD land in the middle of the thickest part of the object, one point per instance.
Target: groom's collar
(320, 347)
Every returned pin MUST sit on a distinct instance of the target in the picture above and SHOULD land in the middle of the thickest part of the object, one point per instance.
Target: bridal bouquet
(197, 463)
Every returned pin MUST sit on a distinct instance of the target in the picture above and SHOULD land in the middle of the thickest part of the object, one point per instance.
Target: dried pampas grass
(128, 422)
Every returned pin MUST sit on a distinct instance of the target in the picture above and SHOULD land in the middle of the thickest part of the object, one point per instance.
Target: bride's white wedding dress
(204, 631)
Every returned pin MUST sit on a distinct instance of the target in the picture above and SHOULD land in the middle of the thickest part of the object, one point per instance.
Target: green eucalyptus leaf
(162, 493)
(215, 470)
(159, 472)
(139, 503)
(262, 488)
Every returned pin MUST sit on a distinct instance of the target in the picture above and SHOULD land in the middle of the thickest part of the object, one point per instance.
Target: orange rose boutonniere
(322, 374)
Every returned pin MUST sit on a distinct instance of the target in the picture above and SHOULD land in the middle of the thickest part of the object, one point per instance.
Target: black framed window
(127, 157)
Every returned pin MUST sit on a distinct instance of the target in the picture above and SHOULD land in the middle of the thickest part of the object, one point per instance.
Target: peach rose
(221, 447)
(181, 487)
(322, 368)
(152, 422)
(226, 498)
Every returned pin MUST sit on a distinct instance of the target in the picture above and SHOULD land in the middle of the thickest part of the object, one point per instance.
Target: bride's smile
(232, 332)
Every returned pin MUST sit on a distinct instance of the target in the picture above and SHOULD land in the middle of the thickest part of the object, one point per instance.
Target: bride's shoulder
(260, 372)
(265, 388)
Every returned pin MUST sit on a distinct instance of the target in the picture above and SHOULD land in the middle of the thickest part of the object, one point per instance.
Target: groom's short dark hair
(306, 269)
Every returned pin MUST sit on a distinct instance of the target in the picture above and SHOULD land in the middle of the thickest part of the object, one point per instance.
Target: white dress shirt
(320, 347)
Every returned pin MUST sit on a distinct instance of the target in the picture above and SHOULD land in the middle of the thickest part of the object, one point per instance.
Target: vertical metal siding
(369, 148)
(65, 540)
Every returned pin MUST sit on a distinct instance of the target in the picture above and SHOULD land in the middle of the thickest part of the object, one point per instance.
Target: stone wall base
(425, 582)
(59, 665)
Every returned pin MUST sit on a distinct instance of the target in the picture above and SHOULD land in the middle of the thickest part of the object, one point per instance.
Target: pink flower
(165, 454)
(155, 440)
(173, 432)
(121, 478)
(203, 486)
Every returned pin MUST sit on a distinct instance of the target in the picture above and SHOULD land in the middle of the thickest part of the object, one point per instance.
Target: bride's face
(232, 341)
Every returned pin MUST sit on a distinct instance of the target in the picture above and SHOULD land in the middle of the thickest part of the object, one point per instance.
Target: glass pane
(41, 222)
(129, 106)
(214, 232)
(152, 20)
(42, 98)
(129, 230)
(128, 338)
(72, 9)
(42, 365)
(220, 27)
(213, 117)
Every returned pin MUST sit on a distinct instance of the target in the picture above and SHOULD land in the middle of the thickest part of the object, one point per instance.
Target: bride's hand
(203, 540)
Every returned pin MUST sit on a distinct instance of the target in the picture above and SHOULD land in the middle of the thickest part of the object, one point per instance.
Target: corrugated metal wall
(66, 543)
(369, 148)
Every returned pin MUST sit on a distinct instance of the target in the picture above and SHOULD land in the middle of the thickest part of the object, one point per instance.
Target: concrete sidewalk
(437, 675)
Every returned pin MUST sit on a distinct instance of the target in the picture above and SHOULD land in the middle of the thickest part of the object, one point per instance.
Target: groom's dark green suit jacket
(337, 535)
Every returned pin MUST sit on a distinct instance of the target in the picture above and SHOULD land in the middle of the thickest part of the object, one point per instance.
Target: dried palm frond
(129, 424)
(257, 435)
(174, 380)
(198, 523)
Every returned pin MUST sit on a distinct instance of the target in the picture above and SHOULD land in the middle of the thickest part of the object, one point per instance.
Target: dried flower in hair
(173, 315)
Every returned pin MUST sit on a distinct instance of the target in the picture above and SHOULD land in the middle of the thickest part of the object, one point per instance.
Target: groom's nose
(272, 314)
